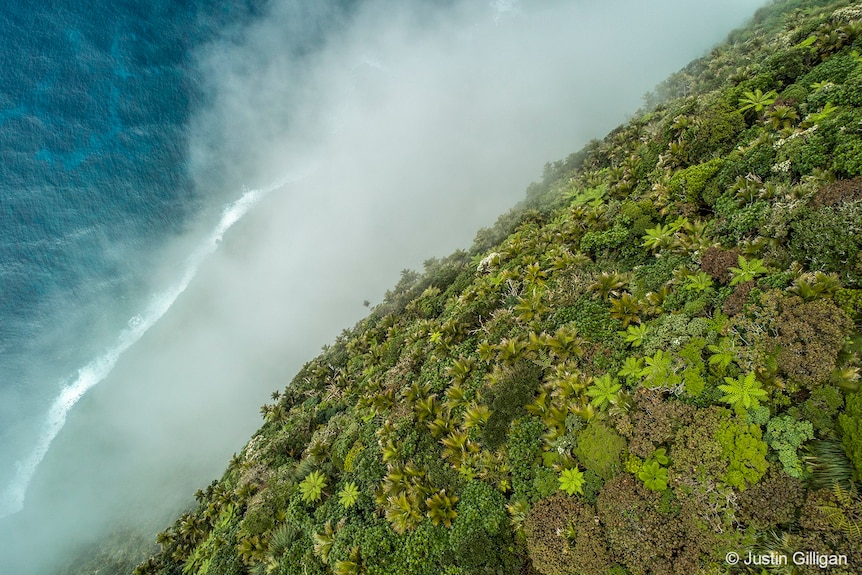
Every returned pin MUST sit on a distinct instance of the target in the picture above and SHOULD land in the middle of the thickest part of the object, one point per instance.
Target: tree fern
(722, 355)
(743, 392)
(312, 486)
(635, 334)
(847, 514)
(604, 391)
(747, 270)
(572, 481)
(348, 496)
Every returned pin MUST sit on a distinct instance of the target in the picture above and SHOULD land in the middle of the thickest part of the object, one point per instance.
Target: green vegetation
(742, 393)
(572, 481)
(757, 100)
(652, 360)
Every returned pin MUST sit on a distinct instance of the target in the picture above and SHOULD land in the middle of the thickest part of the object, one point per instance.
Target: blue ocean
(95, 99)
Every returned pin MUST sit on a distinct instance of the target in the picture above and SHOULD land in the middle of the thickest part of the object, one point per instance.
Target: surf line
(12, 499)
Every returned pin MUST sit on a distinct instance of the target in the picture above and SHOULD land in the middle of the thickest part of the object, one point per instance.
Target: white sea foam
(12, 497)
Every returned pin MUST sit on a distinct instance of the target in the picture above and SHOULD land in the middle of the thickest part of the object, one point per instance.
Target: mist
(380, 134)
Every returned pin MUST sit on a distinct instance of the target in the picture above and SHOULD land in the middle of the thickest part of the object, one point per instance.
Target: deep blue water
(95, 100)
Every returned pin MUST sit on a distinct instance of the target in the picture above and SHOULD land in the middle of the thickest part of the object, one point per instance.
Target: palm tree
(531, 308)
(658, 238)
(454, 396)
(565, 343)
(626, 308)
(757, 100)
(746, 188)
(442, 424)
(456, 447)
(476, 414)
(323, 542)
(692, 237)
(609, 283)
(676, 153)
(351, 566)
(510, 350)
(165, 538)
(416, 392)
(441, 508)
(782, 118)
(461, 368)
(681, 123)
(276, 413)
(427, 408)
(403, 512)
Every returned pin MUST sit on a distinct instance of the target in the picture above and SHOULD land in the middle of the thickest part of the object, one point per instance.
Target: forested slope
(652, 362)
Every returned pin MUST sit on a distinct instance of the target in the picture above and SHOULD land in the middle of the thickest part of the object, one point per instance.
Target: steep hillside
(649, 364)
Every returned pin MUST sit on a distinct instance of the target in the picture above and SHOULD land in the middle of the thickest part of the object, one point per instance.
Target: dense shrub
(786, 435)
(480, 538)
(806, 154)
(637, 216)
(639, 535)
(507, 400)
(838, 192)
(795, 93)
(225, 559)
(811, 334)
(601, 242)
(824, 239)
(787, 65)
(847, 157)
(716, 133)
(746, 221)
(600, 449)
(772, 502)
(757, 160)
(655, 420)
(820, 409)
(717, 263)
(832, 518)
(850, 300)
(523, 447)
(376, 542)
(737, 299)
(744, 453)
(423, 551)
(652, 276)
(592, 318)
(835, 69)
(563, 538)
(697, 455)
(688, 184)
(850, 424)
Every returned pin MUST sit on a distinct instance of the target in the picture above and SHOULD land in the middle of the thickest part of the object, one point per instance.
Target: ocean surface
(95, 98)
